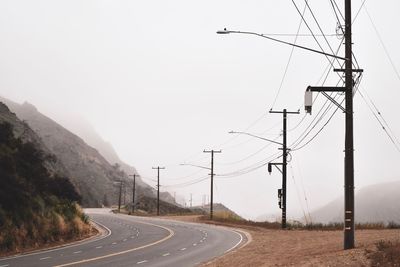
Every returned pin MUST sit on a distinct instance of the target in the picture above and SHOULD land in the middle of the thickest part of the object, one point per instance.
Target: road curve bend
(138, 241)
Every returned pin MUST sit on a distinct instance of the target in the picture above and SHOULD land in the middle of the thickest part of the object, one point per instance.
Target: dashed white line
(124, 240)
(183, 248)
(77, 252)
(99, 247)
(195, 244)
(44, 258)
(6, 265)
(140, 262)
(114, 243)
(166, 254)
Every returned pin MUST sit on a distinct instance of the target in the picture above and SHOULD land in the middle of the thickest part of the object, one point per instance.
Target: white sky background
(157, 82)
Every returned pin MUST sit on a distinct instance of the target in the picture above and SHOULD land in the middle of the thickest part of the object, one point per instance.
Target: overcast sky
(155, 80)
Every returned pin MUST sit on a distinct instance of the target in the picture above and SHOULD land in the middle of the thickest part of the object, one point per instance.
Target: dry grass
(387, 253)
(300, 247)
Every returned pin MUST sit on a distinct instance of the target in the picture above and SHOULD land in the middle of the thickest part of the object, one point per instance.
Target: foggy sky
(155, 80)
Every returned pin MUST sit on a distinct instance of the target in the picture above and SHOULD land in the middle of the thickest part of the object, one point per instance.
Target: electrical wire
(288, 62)
(382, 43)
(298, 193)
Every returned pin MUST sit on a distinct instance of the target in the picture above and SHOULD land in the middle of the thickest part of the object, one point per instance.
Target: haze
(155, 80)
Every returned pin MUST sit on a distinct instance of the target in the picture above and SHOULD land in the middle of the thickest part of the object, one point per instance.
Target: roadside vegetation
(387, 253)
(36, 208)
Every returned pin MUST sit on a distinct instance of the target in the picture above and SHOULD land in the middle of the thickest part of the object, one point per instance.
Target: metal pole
(349, 144)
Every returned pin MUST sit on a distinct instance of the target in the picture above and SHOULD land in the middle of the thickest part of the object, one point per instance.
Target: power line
(288, 62)
(382, 43)
(392, 139)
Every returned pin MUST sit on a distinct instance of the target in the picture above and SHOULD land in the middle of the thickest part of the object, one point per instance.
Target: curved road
(138, 241)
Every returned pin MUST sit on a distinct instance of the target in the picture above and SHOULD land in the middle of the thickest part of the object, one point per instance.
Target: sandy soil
(300, 248)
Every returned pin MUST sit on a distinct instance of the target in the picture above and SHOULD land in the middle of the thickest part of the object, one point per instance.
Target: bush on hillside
(36, 207)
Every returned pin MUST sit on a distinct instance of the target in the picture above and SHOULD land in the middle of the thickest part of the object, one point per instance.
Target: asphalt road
(138, 241)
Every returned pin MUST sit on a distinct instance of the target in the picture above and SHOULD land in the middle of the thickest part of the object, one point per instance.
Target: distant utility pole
(133, 192)
(158, 187)
(124, 187)
(191, 200)
(212, 179)
(282, 192)
(120, 196)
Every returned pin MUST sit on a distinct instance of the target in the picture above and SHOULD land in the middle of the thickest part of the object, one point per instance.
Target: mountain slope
(36, 203)
(94, 177)
(374, 203)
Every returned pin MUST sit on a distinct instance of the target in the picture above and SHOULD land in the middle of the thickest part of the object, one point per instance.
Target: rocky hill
(95, 178)
(374, 203)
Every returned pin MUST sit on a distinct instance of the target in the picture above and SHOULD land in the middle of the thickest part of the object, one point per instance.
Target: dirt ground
(299, 247)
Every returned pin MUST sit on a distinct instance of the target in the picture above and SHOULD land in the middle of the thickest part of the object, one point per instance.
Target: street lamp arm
(193, 165)
(259, 137)
(282, 42)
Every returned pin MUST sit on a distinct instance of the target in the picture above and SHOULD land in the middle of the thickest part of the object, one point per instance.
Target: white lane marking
(114, 243)
(171, 234)
(77, 252)
(44, 258)
(238, 243)
(201, 241)
(194, 244)
(140, 262)
(5, 265)
(166, 254)
(99, 247)
(124, 240)
(183, 248)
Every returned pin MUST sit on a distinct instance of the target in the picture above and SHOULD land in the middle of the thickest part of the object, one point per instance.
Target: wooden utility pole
(212, 179)
(158, 187)
(120, 196)
(349, 224)
(133, 192)
(282, 195)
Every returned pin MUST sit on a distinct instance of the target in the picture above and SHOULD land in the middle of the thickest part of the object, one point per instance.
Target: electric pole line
(349, 224)
(133, 192)
(158, 187)
(282, 192)
(212, 179)
(191, 199)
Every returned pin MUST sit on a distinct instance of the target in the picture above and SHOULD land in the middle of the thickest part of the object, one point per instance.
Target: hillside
(37, 204)
(94, 177)
(374, 203)
(148, 205)
(218, 209)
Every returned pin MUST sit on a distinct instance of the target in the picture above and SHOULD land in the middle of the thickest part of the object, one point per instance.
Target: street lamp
(193, 165)
(225, 31)
(256, 136)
